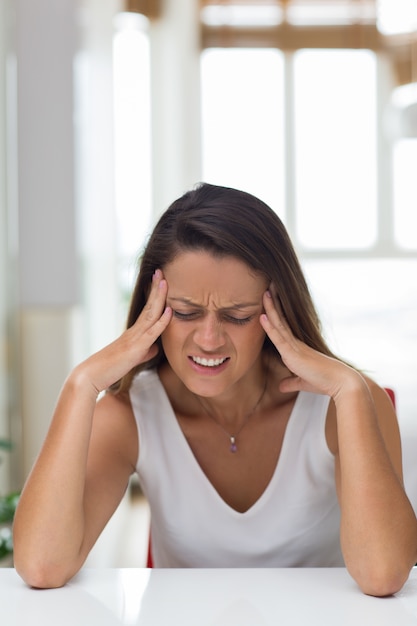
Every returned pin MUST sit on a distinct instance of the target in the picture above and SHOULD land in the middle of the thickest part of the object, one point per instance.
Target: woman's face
(214, 339)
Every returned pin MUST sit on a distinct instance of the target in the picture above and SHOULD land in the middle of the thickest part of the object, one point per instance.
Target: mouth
(208, 362)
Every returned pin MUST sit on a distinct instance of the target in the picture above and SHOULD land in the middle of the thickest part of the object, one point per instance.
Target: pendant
(233, 446)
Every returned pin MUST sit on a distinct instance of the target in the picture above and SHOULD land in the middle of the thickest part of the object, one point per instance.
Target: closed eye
(238, 320)
(186, 317)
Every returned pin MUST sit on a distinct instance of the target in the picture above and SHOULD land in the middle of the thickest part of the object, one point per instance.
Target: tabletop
(205, 597)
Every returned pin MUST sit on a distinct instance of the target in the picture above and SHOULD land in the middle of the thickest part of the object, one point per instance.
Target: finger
(273, 304)
(289, 348)
(159, 287)
(139, 342)
(273, 331)
(152, 334)
(157, 328)
(156, 302)
(155, 331)
(276, 318)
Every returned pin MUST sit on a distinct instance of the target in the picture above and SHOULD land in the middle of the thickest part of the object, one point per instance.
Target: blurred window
(132, 124)
(243, 130)
(405, 193)
(335, 148)
(300, 132)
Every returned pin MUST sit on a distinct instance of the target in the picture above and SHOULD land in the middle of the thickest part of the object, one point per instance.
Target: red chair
(391, 394)
(149, 562)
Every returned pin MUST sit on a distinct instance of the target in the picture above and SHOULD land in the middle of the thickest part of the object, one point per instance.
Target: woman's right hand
(136, 345)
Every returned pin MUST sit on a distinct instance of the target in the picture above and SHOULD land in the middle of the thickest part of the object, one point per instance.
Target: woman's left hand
(311, 370)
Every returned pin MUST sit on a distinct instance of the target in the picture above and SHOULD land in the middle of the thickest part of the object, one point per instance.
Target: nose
(209, 334)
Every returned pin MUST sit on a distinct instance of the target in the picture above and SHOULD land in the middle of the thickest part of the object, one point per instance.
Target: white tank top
(294, 523)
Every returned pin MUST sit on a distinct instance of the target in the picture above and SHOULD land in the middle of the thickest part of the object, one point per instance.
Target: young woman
(254, 444)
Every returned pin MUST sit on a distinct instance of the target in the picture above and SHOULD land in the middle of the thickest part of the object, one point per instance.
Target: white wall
(4, 425)
(65, 201)
(10, 422)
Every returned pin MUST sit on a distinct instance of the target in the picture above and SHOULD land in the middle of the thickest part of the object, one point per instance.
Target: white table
(204, 597)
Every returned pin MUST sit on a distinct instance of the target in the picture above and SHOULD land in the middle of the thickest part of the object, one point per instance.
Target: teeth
(208, 362)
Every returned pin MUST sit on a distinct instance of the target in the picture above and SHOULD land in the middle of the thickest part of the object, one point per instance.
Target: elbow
(41, 576)
(382, 581)
(40, 567)
(41, 572)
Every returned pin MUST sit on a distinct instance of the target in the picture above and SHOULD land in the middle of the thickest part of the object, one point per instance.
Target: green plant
(7, 510)
(5, 444)
(8, 505)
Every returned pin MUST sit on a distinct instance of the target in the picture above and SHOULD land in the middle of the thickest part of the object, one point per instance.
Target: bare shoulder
(114, 427)
(114, 403)
(115, 407)
(383, 402)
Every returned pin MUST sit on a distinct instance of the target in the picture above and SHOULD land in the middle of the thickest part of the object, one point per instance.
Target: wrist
(80, 381)
(354, 386)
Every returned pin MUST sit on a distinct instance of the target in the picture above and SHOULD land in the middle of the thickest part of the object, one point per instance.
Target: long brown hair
(228, 222)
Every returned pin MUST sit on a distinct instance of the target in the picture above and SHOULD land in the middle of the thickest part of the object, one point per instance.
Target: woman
(254, 444)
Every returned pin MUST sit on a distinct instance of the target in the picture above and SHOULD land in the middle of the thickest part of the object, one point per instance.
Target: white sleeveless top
(295, 522)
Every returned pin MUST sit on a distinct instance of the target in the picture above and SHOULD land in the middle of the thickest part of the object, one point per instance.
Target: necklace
(232, 438)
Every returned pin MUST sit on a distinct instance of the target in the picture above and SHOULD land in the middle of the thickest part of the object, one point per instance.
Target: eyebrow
(239, 305)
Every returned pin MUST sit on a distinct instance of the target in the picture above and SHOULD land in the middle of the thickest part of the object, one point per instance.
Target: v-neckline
(203, 476)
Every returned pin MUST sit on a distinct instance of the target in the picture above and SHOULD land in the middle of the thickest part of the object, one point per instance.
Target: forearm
(378, 525)
(49, 521)
(85, 463)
